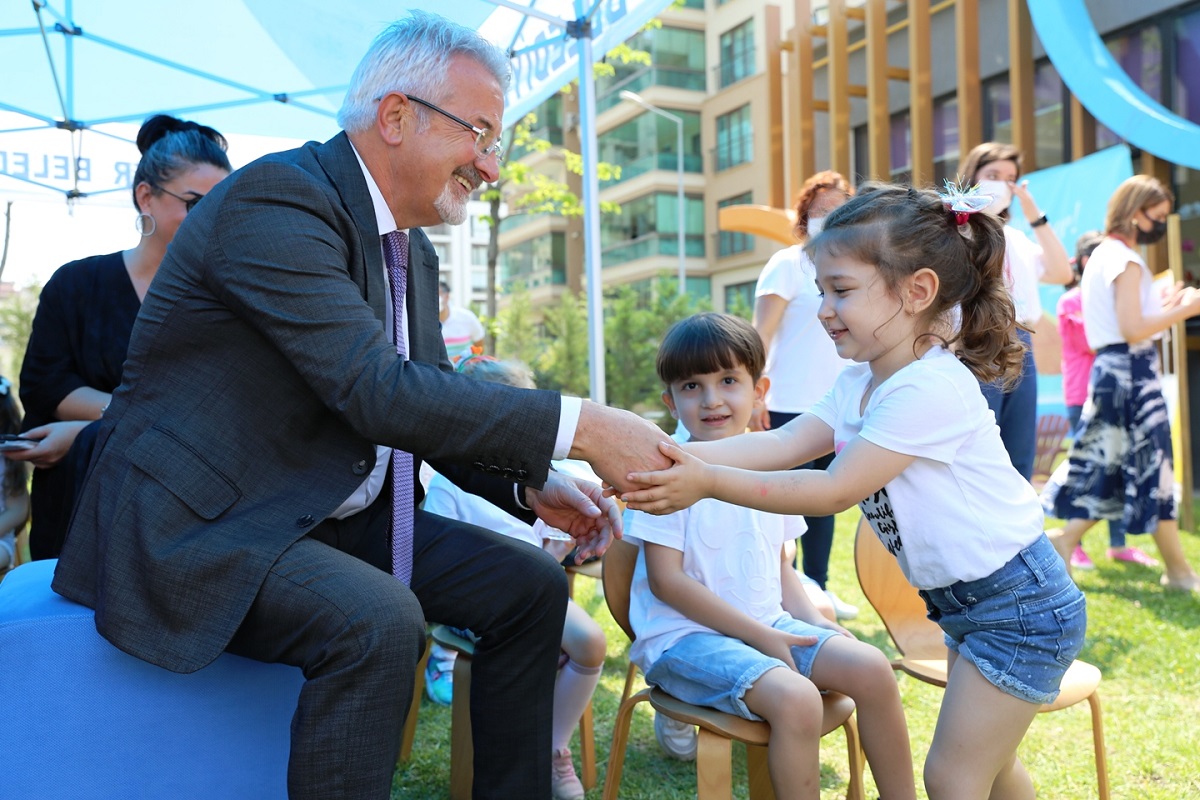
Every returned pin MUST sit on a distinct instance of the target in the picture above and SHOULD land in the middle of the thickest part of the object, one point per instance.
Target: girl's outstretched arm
(860, 470)
(803, 439)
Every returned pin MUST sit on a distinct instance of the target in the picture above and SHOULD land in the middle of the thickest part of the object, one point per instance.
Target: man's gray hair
(413, 55)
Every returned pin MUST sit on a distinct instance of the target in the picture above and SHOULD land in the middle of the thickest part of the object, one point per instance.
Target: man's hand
(579, 508)
(54, 440)
(617, 442)
(667, 491)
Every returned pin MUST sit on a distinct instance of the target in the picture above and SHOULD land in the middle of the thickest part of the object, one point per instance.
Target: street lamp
(678, 120)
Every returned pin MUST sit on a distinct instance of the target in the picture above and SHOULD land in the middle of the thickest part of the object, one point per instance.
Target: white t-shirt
(1108, 261)
(1023, 269)
(732, 550)
(802, 361)
(960, 511)
(460, 330)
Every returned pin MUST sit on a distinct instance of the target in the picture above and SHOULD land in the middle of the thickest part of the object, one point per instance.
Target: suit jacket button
(359, 468)
(509, 472)
(521, 474)
(305, 521)
(479, 465)
(493, 469)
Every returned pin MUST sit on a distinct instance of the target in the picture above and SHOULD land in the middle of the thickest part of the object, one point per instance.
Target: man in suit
(248, 492)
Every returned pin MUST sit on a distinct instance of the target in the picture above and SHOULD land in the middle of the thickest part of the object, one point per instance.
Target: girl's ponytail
(986, 341)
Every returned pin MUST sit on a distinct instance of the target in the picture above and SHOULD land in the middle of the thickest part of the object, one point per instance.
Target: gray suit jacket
(257, 382)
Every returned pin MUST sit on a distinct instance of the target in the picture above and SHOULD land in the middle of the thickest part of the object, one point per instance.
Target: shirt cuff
(568, 421)
(520, 501)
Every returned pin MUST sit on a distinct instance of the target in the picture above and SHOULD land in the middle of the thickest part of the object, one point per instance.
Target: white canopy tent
(81, 70)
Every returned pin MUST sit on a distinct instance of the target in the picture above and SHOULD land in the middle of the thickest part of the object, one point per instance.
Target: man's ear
(394, 117)
(922, 290)
(669, 399)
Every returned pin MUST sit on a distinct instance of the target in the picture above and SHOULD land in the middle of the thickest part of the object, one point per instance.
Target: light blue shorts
(709, 669)
(1021, 626)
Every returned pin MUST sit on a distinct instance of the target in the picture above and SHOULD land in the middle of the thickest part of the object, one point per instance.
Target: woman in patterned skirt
(1120, 464)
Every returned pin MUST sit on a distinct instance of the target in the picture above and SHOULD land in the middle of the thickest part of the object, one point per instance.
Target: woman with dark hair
(802, 362)
(996, 168)
(85, 316)
(1120, 463)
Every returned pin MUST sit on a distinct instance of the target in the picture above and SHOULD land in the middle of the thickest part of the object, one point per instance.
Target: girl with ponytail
(913, 290)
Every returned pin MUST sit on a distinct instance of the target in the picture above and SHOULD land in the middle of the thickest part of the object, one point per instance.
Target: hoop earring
(139, 225)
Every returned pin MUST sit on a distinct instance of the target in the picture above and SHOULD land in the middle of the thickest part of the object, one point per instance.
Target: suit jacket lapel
(340, 164)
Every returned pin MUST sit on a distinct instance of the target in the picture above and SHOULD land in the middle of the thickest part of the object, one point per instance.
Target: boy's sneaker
(564, 783)
(439, 679)
(677, 739)
(1133, 555)
(1081, 560)
(841, 608)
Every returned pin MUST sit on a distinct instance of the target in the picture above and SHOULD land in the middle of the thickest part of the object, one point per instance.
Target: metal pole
(682, 215)
(591, 217)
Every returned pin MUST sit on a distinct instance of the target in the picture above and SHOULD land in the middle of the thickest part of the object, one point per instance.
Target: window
(540, 261)
(732, 242)
(1140, 54)
(677, 59)
(649, 226)
(735, 143)
(737, 53)
(479, 255)
(739, 299)
(648, 142)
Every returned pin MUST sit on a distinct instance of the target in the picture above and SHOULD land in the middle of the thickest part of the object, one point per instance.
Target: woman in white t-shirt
(918, 450)
(996, 168)
(461, 330)
(1120, 464)
(802, 362)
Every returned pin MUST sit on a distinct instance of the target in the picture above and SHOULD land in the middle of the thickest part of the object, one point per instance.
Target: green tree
(16, 323)
(563, 365)
(515, 331)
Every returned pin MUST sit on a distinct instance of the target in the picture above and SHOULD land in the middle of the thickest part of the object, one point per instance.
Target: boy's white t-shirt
(1108, 261)
(960, 511)
(460, 330)
(732, 550)
(802, 361)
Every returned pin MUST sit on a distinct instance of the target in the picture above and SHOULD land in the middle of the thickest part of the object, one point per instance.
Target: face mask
(1000, 192)
(1157, 231)
(815, 226)
(441, 304)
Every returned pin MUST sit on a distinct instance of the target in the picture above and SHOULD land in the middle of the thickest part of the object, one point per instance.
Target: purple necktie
(395, 255)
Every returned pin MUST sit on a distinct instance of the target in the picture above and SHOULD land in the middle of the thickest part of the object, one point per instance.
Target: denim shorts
(710, 669)
(1021, 626)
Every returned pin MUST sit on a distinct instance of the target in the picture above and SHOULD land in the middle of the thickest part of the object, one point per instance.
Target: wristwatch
(1039, 222)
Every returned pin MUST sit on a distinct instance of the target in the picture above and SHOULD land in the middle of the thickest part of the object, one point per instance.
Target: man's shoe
(1132, 555)
(1081, 560)
(677, 739)
(841, 608)
(564, 783)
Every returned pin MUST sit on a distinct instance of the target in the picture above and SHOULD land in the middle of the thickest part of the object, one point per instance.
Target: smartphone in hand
(12, 441)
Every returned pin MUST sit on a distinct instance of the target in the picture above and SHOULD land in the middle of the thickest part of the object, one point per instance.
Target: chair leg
(629, 676)
(616, 754)
(854, 759)
(759, 771)
(714, 766)
(587, 748)
(462, 750)
(414, 708)
(1098, 743)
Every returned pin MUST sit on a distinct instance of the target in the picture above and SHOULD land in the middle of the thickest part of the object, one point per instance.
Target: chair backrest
(1052, 429)
(894, 598)
(619, 562)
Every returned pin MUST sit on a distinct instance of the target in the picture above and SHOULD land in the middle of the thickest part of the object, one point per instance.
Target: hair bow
(963, 201)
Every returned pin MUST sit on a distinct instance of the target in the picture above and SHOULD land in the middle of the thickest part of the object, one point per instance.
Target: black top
(80, 334)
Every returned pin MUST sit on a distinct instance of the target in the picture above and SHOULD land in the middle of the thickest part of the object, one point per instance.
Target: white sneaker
(677, 739)
(840, 607)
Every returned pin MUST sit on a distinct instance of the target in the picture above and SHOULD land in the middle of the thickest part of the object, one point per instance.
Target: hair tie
(463, 361)
(963, 201)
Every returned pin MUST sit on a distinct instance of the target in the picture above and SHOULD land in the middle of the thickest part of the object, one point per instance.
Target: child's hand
(779, 644)
(671, 489)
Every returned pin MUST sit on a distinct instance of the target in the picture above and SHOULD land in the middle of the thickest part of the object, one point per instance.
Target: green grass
(1146, 642)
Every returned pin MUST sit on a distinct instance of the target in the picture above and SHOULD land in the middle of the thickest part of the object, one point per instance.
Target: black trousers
(816, 544)
(330, 607)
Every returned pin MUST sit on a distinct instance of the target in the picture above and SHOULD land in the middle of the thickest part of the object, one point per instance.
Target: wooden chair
(923, 652)
(414, 707)
(714, 773)
(1052, 429)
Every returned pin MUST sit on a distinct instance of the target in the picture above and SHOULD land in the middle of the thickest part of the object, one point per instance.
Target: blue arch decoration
(1105, 89)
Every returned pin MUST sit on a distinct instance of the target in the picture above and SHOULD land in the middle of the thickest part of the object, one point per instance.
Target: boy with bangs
(721, 618)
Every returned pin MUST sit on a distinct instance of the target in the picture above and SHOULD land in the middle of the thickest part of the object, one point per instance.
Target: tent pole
(591, 209)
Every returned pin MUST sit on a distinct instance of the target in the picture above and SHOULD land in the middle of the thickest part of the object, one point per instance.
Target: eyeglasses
(487, 141)
(188, 202)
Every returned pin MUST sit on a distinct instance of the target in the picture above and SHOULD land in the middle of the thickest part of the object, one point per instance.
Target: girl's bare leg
(1177, 572)
(1067, 538)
